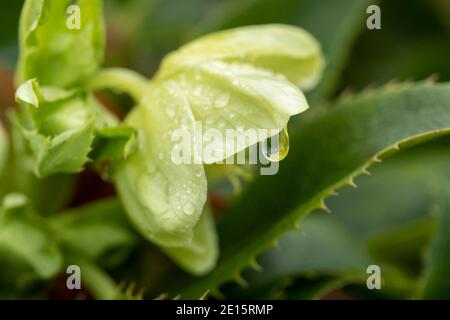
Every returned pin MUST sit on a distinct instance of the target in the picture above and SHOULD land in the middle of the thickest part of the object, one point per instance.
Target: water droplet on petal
(188, 209)
(170, 111)
(198, 91)
(280, 150)
(222, 100)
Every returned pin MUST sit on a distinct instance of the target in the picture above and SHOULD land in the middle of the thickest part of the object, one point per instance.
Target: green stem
(124, 80)
(95, 279)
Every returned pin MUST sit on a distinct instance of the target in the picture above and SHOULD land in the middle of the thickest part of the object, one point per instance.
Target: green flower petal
(283, 49)
(238, 96)
(239, 79)
(163, 199)
(200, 256)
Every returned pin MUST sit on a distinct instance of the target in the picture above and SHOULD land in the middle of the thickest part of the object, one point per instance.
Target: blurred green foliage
(397, 218)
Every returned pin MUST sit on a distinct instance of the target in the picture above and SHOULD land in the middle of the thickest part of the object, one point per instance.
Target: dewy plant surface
(227, 111)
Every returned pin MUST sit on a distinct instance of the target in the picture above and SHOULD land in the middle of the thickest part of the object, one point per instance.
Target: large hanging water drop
(277, 151)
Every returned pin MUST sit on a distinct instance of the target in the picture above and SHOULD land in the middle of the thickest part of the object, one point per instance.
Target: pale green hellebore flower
(244, 78)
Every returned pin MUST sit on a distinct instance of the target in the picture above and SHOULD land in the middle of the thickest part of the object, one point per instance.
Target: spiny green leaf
(331, 147)
(53, 52)
(390, 233)
(321, 249)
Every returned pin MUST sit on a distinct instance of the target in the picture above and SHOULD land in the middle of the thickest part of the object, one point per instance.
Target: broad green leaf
(278, 48)
(225, 96)
(98, 231)
(331, 146)
(199, 256)
(390, 233)
(59, 125)
(164, 200)
(404, 191)
(327, 246)
(26, 236)
(53, 48)
(4, 144)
